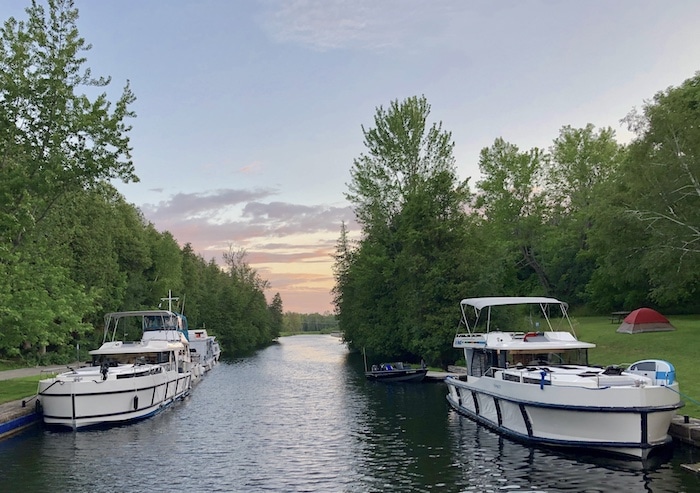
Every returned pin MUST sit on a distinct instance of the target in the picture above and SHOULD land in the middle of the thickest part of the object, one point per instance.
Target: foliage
(662, 190)
(54, 140)
(394, 288)
(578, 166)
(309, 322)
(71, 248)
(589, 221)
(511, 202)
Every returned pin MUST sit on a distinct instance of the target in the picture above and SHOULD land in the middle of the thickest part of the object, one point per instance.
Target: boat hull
(388, 376)
(629, 422)
(78, 400)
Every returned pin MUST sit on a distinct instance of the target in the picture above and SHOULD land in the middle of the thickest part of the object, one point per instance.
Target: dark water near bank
(300, 417)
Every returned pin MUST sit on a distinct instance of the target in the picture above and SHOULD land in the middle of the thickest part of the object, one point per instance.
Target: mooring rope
(684, 396)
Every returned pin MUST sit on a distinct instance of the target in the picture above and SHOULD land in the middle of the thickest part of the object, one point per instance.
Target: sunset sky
(250, 112)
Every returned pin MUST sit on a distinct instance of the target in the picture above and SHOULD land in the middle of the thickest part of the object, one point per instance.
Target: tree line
(601, 225)
(71, 247)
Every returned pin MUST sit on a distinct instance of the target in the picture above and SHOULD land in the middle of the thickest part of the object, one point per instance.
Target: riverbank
(17, 416)
(33, 371)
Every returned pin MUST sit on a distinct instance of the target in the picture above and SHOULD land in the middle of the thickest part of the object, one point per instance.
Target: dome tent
(644, 320)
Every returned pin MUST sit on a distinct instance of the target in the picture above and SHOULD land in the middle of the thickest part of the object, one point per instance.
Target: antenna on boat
(364, 355)
(170, 300)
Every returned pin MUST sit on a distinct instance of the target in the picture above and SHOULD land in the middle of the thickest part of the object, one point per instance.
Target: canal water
(299, 416)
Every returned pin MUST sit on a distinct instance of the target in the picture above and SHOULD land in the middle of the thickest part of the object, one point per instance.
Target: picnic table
(618, 317)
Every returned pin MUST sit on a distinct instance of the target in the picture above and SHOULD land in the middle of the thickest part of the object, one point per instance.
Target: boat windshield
(114, 359)
(159, 322)
(558, 357)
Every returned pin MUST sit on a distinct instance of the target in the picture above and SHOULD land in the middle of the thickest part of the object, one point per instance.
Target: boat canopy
(488, 302)
(151, 321)
(480, 303)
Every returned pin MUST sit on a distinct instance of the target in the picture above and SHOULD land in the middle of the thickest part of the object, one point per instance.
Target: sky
(250, 113)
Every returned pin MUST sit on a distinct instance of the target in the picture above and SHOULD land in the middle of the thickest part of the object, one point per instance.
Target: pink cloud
(196, 219)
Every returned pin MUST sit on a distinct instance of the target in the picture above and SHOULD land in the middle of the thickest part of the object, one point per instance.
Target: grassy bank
(19, 388)
(680, 347)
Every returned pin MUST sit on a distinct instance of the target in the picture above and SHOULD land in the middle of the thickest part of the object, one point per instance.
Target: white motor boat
(537, 386)
(204, 348)
(126, 381)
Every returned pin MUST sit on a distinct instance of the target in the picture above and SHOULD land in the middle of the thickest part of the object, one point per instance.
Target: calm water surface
(299, 416)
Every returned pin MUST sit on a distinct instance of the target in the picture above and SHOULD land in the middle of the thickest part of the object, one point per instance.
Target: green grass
(19, 388)
(680, 347)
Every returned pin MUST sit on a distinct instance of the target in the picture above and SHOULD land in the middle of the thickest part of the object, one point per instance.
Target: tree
(659, 186)
(276, 315)
(510, 199)
(341, 267)
(53, 140)
(579, 164)
(395, 288)
(401, 156)
(55, 143)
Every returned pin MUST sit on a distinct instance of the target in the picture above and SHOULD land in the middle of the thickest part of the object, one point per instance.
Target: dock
(685, 429)
(17, 416)
(452, 371)
(436, 375)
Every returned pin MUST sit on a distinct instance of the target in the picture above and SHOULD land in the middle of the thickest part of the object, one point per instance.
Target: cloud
(183, 206)
(326, 25)
(290, 245)
(284, 219)
(214, 220)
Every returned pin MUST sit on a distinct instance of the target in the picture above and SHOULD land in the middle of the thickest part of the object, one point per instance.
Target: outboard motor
(661, 372)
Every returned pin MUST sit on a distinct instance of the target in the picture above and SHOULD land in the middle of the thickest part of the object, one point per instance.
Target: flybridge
(479, 304)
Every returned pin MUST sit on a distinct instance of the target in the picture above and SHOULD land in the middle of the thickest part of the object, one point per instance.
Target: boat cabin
(480, 360)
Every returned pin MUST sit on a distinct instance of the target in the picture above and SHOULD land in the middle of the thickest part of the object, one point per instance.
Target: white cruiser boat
(126, 381)
(205, 349)
(537, 386)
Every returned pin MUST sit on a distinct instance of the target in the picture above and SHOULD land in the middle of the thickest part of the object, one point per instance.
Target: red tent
(644, 320)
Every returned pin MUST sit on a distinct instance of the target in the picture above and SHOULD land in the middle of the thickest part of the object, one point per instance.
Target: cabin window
(563, 357)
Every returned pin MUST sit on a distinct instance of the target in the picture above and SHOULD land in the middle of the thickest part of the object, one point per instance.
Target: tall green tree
(402, 153)
(659, 186)
(396, 288)
(276, 316)
(510, 199)
(579, 163)
(53, 139)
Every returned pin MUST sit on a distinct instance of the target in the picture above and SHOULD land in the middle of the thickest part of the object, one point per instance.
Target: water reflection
(300, 416)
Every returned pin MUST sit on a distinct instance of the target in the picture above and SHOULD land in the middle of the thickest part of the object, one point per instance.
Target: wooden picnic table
(618, 317)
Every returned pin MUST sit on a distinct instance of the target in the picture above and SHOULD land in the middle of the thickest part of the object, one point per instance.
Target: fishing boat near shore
(126, 380)
(536, 385)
